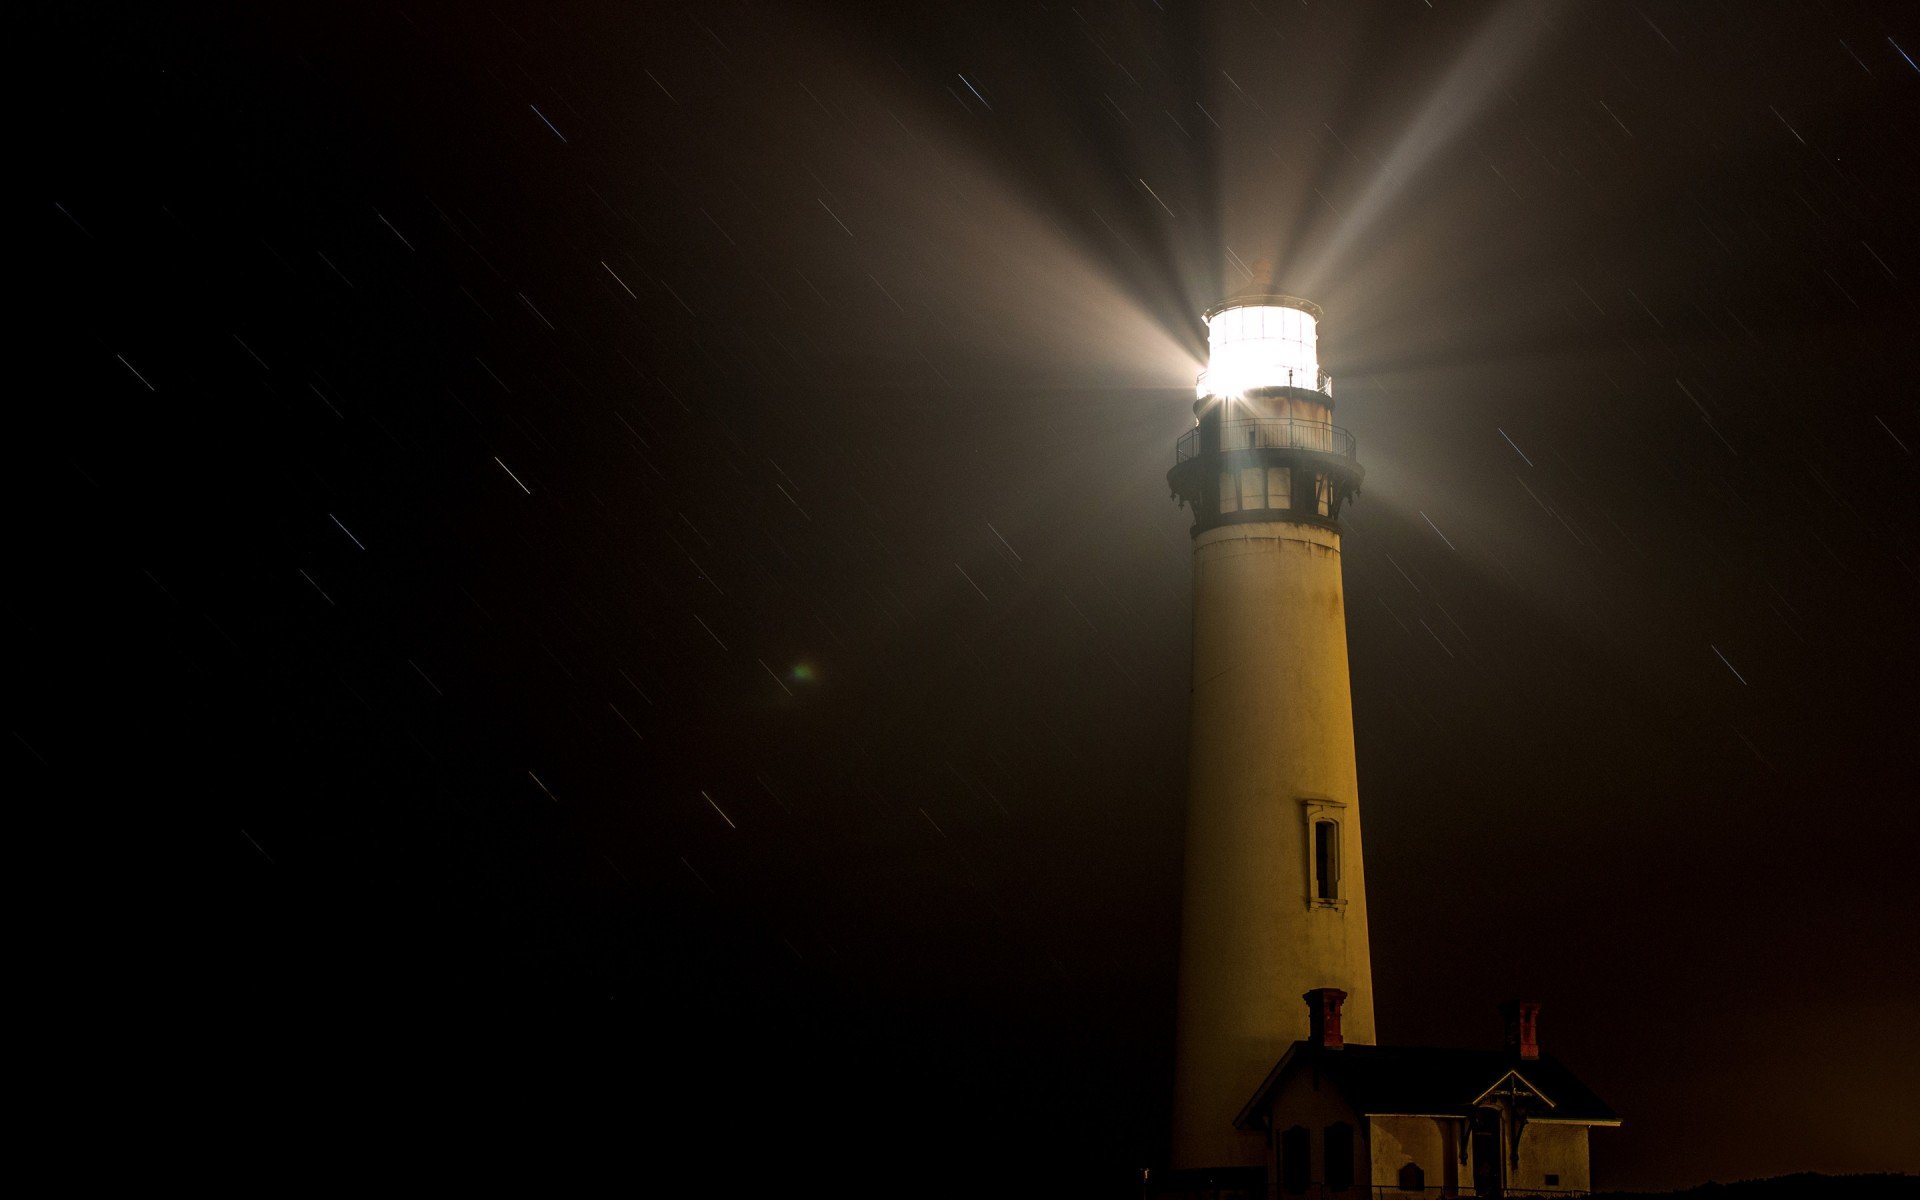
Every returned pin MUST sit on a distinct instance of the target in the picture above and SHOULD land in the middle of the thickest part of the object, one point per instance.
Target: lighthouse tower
(1275, 899)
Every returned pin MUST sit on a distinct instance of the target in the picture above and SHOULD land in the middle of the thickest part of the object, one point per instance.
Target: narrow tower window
(1323, 494)
(1326, 860)
(1229, 493)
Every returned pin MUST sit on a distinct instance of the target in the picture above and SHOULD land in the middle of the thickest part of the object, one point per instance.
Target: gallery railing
(1257, 433)
(1388, 1191)
(1311, 379)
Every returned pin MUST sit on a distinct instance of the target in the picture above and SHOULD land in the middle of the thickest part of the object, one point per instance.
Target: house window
(1296, 1160)
(1326, 860)
(1279, 487)
(1413, 1179)
(1338, 1148)
(1229, 493)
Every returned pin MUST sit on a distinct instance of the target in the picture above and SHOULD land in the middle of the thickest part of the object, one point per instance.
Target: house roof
(1432, 1080)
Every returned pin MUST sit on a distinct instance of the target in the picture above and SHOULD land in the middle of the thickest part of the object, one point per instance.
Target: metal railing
(1387, 1191)
(1260, 433)
(1314, 380)
(1464, 1190)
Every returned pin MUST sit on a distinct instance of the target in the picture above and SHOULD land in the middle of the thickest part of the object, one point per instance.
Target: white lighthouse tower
(1275, 901)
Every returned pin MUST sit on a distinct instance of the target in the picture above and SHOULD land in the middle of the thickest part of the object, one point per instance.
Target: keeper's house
(1407, 1121)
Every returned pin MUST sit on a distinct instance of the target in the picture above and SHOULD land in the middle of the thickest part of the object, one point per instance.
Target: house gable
(1515, 1089)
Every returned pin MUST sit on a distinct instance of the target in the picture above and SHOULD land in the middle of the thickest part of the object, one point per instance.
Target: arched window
(1326, 860)
(1412, 1178)
(1296, 1160)
(1338, 1148)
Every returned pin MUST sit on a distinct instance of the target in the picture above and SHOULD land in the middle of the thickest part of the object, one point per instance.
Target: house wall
(1386, 1142)
(1299, 1102)
(1427, 1142)
(1552, 1150)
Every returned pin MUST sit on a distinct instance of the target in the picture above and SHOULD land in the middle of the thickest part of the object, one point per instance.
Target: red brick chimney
(1323, 1017)
(1523, 1027)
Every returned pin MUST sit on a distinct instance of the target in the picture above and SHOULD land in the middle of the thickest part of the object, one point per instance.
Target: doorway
(1486, 1154)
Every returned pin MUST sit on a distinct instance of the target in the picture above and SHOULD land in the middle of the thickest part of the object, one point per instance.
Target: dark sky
(606, 569)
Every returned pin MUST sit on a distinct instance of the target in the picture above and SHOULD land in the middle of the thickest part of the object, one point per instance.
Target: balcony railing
(1313, 380)
(1387, 1191)
(1260, 433)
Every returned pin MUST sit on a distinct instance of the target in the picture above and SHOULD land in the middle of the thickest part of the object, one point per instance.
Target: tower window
(1229, 493)
(1323, 495)
(1326, 860)
(1320, 834)
(1413, 1179)
(1253, 488)
(1279, 487)
(1296, 1160)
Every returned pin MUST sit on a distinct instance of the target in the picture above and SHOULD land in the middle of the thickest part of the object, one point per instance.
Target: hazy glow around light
(1255, 346)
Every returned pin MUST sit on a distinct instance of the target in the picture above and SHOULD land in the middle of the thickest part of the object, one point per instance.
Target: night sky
(597, 582)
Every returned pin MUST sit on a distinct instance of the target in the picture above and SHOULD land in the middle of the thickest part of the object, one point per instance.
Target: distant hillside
(1790, 1187)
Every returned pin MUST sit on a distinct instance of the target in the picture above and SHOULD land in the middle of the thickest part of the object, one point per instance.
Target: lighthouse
(1274, 903)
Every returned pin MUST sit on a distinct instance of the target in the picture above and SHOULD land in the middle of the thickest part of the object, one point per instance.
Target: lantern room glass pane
(1257, 346)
